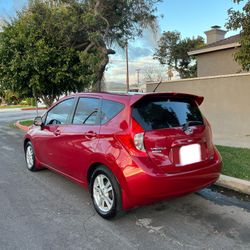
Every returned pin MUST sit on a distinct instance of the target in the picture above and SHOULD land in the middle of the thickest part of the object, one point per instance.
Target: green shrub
(33, 102)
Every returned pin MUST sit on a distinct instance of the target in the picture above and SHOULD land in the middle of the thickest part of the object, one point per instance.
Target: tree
(11, 97)
(54, 47)
(154, 73)
(173, 51)
(117, 22)
(241, 20)
(35, 56)
(1, 94)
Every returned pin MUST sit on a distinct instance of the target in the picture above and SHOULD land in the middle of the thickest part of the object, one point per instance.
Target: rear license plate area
(190, 154)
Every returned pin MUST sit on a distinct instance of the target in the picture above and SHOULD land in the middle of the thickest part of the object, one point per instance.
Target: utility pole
(36, 106)
(127, 68)
(138, 76)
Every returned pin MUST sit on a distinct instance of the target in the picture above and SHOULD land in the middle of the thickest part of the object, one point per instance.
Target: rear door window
(87, 111)
(109, 110)
(165, 112)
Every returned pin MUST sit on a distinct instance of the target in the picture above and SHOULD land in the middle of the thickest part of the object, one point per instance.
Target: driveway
(44, 210)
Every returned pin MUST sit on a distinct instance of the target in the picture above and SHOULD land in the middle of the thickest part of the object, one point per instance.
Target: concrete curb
(235, 184)
(28, 109)
(22, 127)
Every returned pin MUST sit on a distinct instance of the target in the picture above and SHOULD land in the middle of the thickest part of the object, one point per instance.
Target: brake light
(210, 146)
(138, 135)
(134, 142)
(139, 141)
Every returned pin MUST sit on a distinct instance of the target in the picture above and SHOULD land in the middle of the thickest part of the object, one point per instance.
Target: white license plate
(190, 154)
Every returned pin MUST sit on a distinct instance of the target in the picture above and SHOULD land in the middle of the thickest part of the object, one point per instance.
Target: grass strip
(236, 162)
(26, 122)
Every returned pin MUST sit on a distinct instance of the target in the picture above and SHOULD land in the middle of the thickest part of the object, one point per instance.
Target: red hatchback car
(129, 150)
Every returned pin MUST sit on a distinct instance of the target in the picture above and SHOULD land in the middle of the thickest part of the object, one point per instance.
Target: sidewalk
(8, 110)
(21, 109)
(233, 141)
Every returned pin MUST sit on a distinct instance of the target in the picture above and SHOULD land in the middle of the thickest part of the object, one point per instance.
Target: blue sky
(190, 17)
(193, 17)
(9, 7)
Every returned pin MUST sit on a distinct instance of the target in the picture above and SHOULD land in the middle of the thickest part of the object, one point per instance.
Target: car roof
(133, 97)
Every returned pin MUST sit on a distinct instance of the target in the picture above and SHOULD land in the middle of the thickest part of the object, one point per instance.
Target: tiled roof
(219, 45)
(231, 39)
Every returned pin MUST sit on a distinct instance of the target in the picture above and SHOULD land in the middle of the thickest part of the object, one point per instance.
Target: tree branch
(90, 46)
(97, 13)
(80, 46)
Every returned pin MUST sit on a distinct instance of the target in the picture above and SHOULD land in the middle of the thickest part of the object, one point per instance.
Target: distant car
(129, 150)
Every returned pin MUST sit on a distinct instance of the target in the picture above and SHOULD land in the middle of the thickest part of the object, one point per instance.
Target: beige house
(217, 57)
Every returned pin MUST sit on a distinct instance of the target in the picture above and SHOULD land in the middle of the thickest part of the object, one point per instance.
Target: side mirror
(38, 121)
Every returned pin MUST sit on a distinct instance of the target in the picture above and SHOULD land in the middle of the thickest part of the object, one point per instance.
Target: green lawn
(236, 162)
(26, 122)
(15, 106)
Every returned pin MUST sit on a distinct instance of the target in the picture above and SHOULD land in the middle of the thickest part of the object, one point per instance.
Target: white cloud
(117, 69)
(141, 52)
(150, 38)
(1, 23)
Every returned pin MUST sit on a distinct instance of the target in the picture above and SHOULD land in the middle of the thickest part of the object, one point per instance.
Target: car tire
(30, 157)
(105, 193)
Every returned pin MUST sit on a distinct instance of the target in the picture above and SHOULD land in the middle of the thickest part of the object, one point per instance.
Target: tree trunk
(48, 100)
(101, 70)
(102, 66)
(101, 46)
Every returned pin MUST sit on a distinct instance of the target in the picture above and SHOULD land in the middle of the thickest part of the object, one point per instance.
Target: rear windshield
(165, 112)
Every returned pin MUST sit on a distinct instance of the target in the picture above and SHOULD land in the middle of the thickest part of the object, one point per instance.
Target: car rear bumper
(144, 188)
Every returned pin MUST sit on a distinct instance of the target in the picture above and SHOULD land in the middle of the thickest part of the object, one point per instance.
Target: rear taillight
(210, 146)
(134, 142)
(139, 141)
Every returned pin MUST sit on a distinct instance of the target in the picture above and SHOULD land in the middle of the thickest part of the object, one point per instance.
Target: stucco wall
(217, 63)
(226, 104)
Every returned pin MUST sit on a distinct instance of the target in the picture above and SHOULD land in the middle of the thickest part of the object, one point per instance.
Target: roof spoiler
(198, 99)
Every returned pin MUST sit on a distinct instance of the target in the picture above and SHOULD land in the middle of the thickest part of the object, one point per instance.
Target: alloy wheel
(29, 157)
(103, 193)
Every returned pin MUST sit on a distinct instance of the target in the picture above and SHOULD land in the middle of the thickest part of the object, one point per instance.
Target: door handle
(57, 132)
(90, 134)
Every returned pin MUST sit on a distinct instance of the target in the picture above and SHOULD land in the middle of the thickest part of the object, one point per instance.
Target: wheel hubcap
(103, 193)
(29, 157)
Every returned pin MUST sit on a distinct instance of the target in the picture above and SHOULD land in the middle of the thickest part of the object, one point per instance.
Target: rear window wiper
(191, 123)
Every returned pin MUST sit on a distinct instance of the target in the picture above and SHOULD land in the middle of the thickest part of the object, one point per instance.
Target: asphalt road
(44, 210)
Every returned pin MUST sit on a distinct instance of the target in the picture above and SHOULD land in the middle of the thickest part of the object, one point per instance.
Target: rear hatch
(176, 135)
